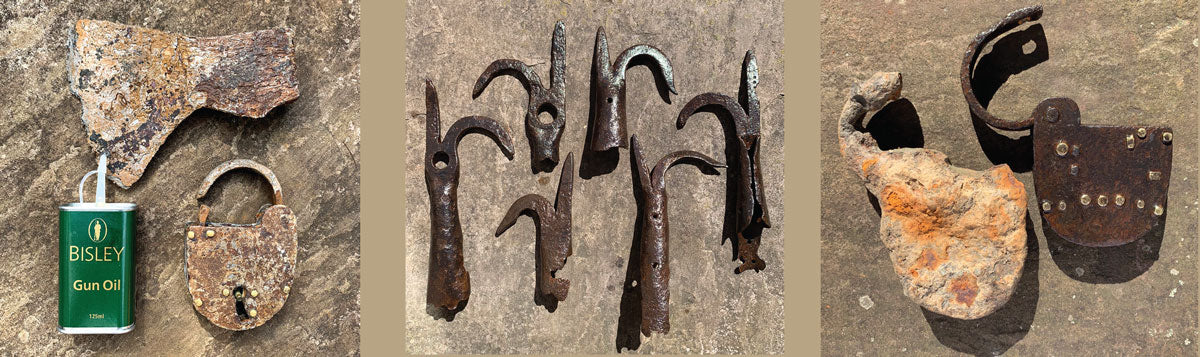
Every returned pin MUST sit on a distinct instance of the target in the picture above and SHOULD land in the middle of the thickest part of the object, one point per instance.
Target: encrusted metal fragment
(745, 201)
(1074, 163)
(449, 284)
(607, 127)
(651, 194)
(543, 137)
(136, 84)
(240, 275)
(956, 237)
(553, 235)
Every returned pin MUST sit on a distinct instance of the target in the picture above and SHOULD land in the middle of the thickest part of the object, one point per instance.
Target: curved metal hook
(1014, 19)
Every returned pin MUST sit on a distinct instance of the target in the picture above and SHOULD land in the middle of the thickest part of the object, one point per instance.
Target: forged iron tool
(449, 284)
(1096, 185)
(136, 85)
(553, 223)
(543, 137)
(607, 128)
(745, 202)
(651, 194)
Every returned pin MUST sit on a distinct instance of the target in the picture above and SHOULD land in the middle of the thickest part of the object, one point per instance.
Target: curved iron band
(746, 199)
(553, 222)
(449, 284)
(655, 260)
(1014, 19)
(543, 137)
(230, 165)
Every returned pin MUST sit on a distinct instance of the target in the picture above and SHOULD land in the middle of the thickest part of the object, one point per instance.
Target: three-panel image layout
(183, 178)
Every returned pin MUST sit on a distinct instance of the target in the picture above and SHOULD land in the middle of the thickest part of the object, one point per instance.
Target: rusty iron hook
(608, 90)
(553, 223)
(543, 137)
(655, 259)
(745, 203)
(449, 284)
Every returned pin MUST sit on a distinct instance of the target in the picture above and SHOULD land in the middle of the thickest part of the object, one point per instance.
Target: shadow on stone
(1105, 265)
(629, 324)
(896, 125)
(994, 334)
(439, 312)
(1007, 58)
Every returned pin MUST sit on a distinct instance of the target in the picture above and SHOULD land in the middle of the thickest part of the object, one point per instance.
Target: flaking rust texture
(1124, 64)
(137, 84)
(712, 309)
(240, 275)
(311, 144)
(956, 236)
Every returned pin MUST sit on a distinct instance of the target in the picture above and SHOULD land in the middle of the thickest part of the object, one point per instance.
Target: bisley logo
(97, 230)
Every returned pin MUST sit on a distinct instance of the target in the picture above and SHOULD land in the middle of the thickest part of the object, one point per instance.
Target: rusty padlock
(239, 275)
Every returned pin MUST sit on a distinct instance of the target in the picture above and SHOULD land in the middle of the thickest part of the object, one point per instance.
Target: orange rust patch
(918, 218)
(965, 289)
(928, 261)
(866, 165)
(1006, 181)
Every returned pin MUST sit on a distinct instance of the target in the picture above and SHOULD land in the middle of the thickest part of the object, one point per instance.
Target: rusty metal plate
(553, 224)
(240, 275)
(449, 284)
(1096, 185)
(1099, 185)
(135, 85)
(543, 137)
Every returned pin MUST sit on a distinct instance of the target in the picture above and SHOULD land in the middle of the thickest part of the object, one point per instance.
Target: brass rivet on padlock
(287, 289)
(198, 302)
(191, 234)
(1085, 199)
(1154, 175)
(253, 293)
(1129, 141)
(1158, 210)
(1102, 200)
(1045, 206)
(253, 313)
(1141, 133)
(209, 233)
(1052, 114)
(224, 292)
(1119, 200)
(1141, 204)
(238, 294)
(1074, 169)
(1061, 148)
(1167, 137)
(1062, 205)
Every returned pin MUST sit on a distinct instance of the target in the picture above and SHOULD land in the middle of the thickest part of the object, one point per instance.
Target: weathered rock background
(312, 145)
(1124, 63)
(712, 309)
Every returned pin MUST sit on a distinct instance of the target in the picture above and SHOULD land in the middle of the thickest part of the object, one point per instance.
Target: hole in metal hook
(441, 160)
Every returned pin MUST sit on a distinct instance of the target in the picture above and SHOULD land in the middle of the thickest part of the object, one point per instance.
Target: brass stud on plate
(1045, 206)
(191, 234)
(1062, 205)
(1119, 200)
(1102, 200)
(1167, 137)
(1158, 210)
(253, 312)
(1061, 148)
(287, 289)
(209, 233)
(1129, 141)
(1085, 199)
(1154, 175)
(253, 293)
(1141, 133)
(224, 292)
(1141, 204)
(197, 302)
(1051, 114)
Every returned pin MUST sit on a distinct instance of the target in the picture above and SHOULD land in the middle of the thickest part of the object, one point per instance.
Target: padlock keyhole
(239, 305)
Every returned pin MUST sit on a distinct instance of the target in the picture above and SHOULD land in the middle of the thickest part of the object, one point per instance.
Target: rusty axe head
(136, 85)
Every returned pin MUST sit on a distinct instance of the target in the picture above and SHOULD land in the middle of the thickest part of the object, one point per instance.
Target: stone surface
(1124, 63)
(312, 145)
(956, 237)
(136, 84)
(712, 309)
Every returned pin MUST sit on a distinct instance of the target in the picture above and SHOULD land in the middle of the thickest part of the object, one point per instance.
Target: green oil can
(95, 263)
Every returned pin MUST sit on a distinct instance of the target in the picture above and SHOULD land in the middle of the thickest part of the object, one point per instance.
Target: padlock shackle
(230, 166)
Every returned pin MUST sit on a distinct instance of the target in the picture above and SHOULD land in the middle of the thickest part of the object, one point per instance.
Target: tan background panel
(1125, 64)
(311, 144)
(712, 309)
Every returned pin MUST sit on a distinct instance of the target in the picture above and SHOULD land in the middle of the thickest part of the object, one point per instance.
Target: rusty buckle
(1096, 185)
(240, 275)
(543, 137)
(745, 202)
(449, 284)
